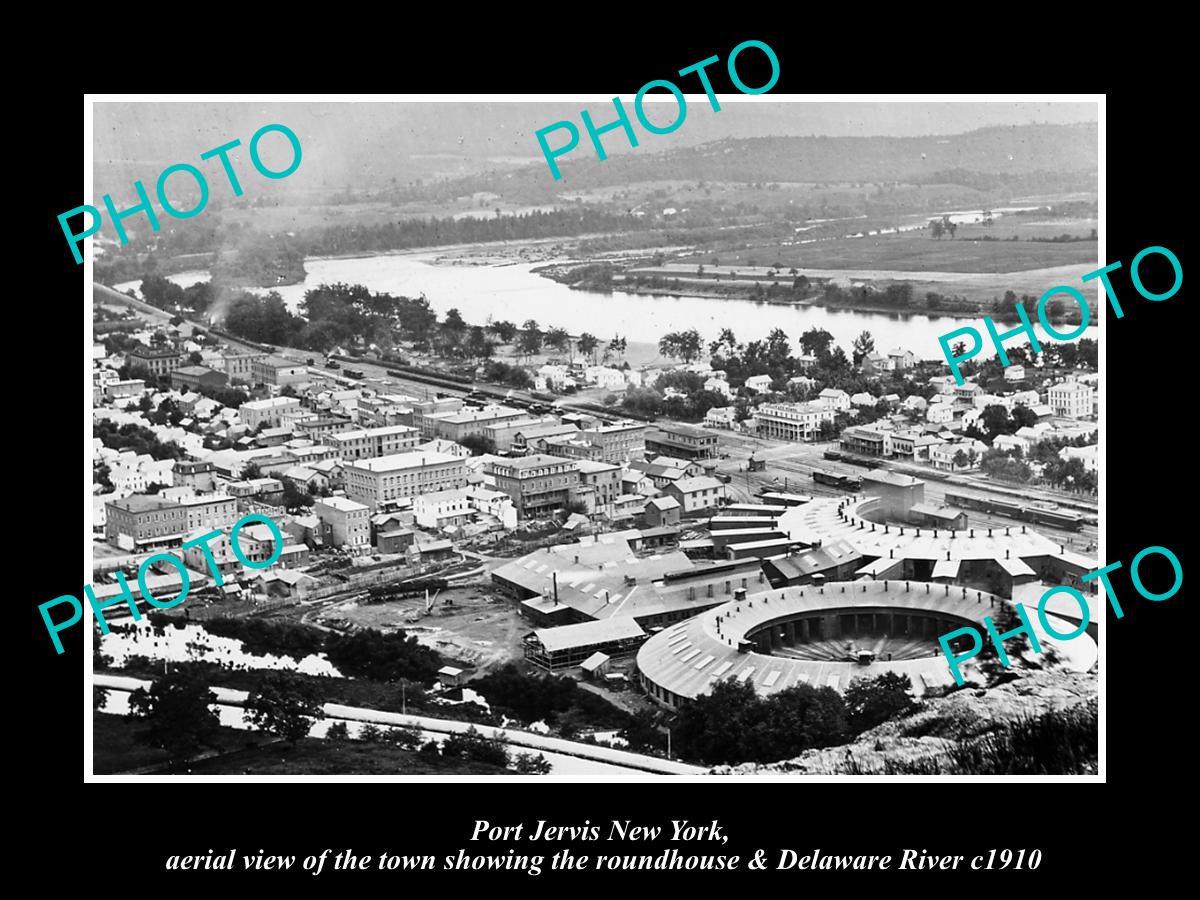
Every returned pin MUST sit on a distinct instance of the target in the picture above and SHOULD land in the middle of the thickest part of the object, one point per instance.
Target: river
(483, 293)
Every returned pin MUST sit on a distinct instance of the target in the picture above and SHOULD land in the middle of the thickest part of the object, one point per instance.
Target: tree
(871, 701)
(528, 764)
(406, 737)
(177, 710)
(685, 345)
(479, 444)
(338, 732)
(937, 228)
(195, 359)
(617, 345)
(454, 321)
(477, 345)
(284, 704)
(815, 341)
(588, 344)
(530, 340)
(473, 746)
(996, 421)
(864, 345)
(558, 338)
(504, 330)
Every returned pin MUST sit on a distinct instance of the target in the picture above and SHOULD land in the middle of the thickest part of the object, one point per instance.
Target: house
(1070, 399)
(940, 413)
(901, 359)
(834, 399)
(662, 511)
(719, 386)
(1014, 372)
(915, 404)
(957, 455)
(1008, 442)
(1087, 455)
(605, 377)
(967, 392)
(721, 417)
(696, 494)
(758, 383)
(943, 384)
(875, 364)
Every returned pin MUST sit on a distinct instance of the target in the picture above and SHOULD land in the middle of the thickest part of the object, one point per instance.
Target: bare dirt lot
(468, 624)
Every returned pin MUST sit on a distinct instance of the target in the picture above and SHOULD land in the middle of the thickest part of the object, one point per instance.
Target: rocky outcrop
(969, 729)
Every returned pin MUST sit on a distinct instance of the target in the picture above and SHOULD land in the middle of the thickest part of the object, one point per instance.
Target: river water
(483, 293)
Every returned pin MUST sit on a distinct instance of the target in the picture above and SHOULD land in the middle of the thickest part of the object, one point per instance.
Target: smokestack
(554, 577)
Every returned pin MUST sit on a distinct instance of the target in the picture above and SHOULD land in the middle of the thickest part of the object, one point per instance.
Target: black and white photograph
(684, 436)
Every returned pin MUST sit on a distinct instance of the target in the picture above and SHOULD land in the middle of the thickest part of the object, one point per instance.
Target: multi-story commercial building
(604, 479)
(504, 433)
(323, 428)
(255, 412)
(209, 511)
(380, 481)
(454, 426)
(193, 377)
(344, 523)
(159, 360)
(866, 440)
(538, 484)
(683, 441)
(385, 410)
(696, 493)
(524, 439)
(239, 366)
(619, 441)
(423, 409)
(196, 475)
(141, 521)
(569, 447)
(442, 508)
(791, 421)
(278, 371)
(367, 443)
(1071, 399)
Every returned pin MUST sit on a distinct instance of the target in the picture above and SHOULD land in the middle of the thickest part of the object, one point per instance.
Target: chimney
(739, 595)
(554, 577)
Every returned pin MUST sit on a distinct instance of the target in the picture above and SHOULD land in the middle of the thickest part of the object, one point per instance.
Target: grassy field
(917, 252)
(115, 749)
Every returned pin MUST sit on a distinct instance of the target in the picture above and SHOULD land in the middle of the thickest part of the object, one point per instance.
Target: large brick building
(538, 484)
(142, 521)
(158, 360)
(382, 481)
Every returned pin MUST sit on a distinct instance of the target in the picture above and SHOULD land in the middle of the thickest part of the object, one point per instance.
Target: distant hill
(990, 157)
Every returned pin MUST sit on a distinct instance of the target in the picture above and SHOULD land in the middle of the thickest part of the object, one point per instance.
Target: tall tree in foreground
(872, 701)
(177, 712)
(864, 346)
(284, 704)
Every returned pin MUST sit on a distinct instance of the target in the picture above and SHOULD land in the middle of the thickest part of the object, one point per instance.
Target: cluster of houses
(387, 473)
